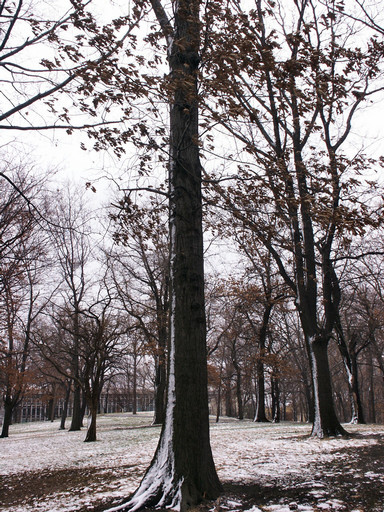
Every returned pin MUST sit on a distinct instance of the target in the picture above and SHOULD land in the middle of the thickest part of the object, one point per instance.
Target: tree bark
(160, 383)
(260, 415)
(239, 393)
(182, 472)
(65, 407)
(275, 392)
(7, 421)
(76, 409)
(91, 431)
(134, 383)
(325, 421)
(357, 407)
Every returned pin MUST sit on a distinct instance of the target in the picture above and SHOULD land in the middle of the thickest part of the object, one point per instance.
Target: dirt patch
(32, 486)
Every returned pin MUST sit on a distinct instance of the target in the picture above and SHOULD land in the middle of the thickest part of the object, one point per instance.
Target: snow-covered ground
(268, 456)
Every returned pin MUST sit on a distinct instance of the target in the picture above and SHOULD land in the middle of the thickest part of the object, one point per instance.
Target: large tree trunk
(325, 422)
(182, 472)
(76, 409)
(260, 415)
(7, 421)
(91, 432)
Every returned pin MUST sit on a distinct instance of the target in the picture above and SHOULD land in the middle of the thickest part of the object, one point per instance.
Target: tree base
(326, 432)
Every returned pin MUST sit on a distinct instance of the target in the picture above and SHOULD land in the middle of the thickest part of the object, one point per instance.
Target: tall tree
(141, 276)
(182, 471)
(71, 240)
(22, 251)
(289, 97)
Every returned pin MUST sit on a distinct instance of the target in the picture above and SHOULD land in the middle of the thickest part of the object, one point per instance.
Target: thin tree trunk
(371, 391)
(65, 407)
(228, 398)
(76, 409)
(275, 389)
(239, 392)
(260, 415)
(219, 389)
(83, 408)
(161, 373)
(357, 406)
(134, 385)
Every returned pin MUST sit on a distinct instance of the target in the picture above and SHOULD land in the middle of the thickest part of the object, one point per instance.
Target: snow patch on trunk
(317, 428)
(160, 482)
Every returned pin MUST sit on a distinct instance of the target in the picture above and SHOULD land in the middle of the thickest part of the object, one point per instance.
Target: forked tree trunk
(325, 422)
(182, 472)
(350, 365)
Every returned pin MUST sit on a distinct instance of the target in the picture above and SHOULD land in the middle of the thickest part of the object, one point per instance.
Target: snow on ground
(244, 452)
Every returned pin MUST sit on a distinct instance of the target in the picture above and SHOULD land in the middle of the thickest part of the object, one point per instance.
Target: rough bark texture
(325, 422)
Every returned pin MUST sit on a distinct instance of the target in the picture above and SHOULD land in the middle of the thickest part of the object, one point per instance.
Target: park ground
(263, 467)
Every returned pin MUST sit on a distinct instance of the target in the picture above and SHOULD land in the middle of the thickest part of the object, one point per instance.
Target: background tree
(72, 246)
(22, 254)
(289, 97)
(101, 332)
(141, 276)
